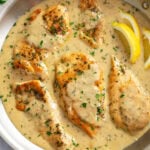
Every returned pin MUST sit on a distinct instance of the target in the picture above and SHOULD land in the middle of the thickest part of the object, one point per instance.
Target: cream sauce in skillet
(108, 136)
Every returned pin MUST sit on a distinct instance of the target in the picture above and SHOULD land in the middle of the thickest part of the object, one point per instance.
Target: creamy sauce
(108, 136)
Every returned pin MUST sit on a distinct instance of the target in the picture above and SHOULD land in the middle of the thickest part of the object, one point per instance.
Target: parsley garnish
(99, 110)
(48, 133)
(75, 34)
(122, 95)
(115, 49)
(84, 105)
(11, 46)
(5, 100)
(1, 96)
(99, 95)
(92, 53)
(80, 72)
(41, 43)
(47, 122)
(71, 23)
(3, 1)
(75, 144)
(28, 109)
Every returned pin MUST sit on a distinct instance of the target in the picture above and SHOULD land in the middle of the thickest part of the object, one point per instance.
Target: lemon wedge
(132, 22)
(129, 35)
(132, 39)
(146, 45)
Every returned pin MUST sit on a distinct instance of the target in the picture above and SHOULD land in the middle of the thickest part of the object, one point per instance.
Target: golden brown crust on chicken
(30, 59)
(73, 66)
(88, 128)
(93, 36)
(88, 4)
(29, 52)
(79, 63)
(33, 98)
(34, 88)
(129, 105)
(55, 134)
(57, 20)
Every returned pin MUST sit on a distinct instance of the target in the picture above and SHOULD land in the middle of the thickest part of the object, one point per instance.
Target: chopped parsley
(75, 144)
(97, 96)
(7, 36)
(83, 105)
(79, 72)
(101, 50)
(113, 36)
(14, 24)
(11, 46)
(3, 1)
(41, 43)
(95, 18)
(75, 34)
(28, 109)
(1, 96)
(5, 100)
(71, 23)
(99, 110)
(48, 133)
(115, 49)
(81, 92)
(53, 30)
(122, 69)
(68, 2)
(122, 95)
(47, 122)
(92, 53)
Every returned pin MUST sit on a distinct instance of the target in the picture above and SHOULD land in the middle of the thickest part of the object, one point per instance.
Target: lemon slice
(132, 21)
(132, 39)
(146, 45)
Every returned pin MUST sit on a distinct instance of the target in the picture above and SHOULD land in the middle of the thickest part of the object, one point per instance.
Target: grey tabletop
(4, 145)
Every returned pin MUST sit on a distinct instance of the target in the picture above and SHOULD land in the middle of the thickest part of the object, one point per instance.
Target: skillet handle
(142, 5)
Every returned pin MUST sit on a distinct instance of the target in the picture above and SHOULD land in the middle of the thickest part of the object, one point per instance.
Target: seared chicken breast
(129, 104)
(57, 20)
(29, 58)
(93, 25)
(52, 24)
(33, 98)
(93, 37)
(79, 83)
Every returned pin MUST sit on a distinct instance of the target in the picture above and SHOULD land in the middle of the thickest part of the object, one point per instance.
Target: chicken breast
(79, 83)
(129, 104)
(52, 26)
(33, 98)
(93, 37)
(57, 20)
(93, 26)
(29, 58)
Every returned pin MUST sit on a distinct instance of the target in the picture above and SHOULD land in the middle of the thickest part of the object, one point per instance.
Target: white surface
(7, 129)
(4, 145)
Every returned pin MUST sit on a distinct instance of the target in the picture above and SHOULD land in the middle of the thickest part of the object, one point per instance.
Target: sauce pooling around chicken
(56, 77)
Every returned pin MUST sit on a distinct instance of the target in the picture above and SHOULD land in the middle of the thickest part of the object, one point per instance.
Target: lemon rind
(130, 36)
